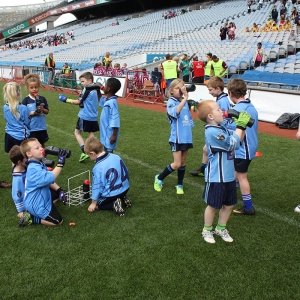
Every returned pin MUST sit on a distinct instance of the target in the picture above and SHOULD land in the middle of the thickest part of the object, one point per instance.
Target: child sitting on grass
(220, 187)
(110, 179)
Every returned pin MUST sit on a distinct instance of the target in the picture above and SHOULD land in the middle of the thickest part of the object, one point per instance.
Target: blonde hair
(93, 144)
(204, 109)
(12, 95)
(25, 147)
(172, 85)
(32, 78)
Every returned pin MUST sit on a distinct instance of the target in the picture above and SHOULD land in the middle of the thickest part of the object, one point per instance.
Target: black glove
(192, 103)
(62, 154)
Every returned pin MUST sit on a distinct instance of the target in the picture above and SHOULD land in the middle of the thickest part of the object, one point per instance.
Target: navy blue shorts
(217, 194)
(41, 136)
(180, 147)
(87, 126)
(241, 165)
(108, 202)
(9, 142)
(54, 216)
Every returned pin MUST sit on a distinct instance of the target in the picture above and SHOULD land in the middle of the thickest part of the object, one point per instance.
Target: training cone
(258, 153)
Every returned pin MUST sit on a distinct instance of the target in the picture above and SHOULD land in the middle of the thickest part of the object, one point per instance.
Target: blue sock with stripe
(247, 201)
(167, 171)
(180, 174)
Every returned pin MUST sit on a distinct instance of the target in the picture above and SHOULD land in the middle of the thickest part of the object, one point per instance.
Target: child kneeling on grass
(220, 188)
(110, 179)
(18, 186)
(38, 199)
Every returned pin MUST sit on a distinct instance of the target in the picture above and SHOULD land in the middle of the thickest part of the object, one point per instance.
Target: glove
(242, 121)
(192, 104)
(62, 98)
(62, 154)
(62, 195)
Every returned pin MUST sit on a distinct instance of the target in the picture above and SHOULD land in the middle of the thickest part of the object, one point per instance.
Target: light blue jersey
(38, 199)
(109, 119)
(110, 177)
(224, 104)
(221, 144)
(18, 189)
(37, 123)
(89, 112)
(250, 141)
(18, 129)
(181, 124)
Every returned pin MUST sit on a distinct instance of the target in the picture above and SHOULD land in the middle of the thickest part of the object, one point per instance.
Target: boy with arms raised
(88, 113)
(38, 199)
(110, 179)
(220, 189)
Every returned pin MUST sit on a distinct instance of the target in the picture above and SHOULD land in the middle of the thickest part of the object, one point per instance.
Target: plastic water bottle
(86, 189)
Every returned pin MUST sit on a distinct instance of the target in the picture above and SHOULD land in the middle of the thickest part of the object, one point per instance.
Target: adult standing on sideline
(259, 56)
(198, 68)
(185, 67)
(106, 59)
(169, 69)
(208, 66)
(218, 66)
(50, 63)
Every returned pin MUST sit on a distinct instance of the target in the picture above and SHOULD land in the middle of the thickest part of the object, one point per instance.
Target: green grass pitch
(156, 251)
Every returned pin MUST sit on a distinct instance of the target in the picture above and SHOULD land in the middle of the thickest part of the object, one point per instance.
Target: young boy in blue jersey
(237, 90)
(215, 87)
(38, 107)
(181, 139)
(38, 199)
(220, 189)
(18, 184)
(88, 113)
(110, 179)
(110, 118)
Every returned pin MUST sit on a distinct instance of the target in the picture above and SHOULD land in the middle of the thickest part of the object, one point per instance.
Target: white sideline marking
(195, 184)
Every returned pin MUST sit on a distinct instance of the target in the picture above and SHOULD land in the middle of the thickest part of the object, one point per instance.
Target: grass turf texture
(156, 251)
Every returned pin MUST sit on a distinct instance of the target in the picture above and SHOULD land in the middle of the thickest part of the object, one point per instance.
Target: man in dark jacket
(274, 14)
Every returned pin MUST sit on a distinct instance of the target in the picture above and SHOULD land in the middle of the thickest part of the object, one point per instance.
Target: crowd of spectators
(46, 40)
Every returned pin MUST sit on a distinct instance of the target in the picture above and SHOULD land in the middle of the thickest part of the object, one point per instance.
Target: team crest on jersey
(221, 137)
(19, 194)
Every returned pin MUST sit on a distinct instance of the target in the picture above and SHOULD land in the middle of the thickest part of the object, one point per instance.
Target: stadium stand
(197, 30)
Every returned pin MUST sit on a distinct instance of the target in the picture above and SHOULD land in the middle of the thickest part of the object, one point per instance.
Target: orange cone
(258, 153)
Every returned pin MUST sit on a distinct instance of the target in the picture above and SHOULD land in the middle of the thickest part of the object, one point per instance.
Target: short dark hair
(87, 76)
(168, 56)
(15, 154)
(114, 84)
(214, 57)
(209, 54)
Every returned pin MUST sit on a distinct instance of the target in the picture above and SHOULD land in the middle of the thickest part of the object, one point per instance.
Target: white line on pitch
(195, 184)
